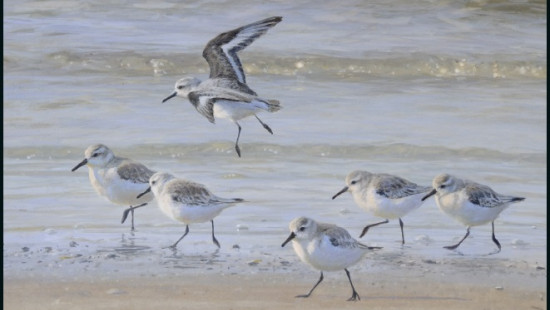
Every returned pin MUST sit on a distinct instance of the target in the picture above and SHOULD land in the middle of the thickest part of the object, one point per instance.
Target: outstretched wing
(221, 52)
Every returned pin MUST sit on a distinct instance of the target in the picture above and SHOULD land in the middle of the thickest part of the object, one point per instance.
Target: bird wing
(484, 196)
(221, 52)
(395, 187)
(338, 236)
(195, 194)
(134, 172)
(203, 100)
(190, 193)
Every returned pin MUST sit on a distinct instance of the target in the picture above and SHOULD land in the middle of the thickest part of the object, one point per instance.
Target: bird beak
(345, 189)
(292, 235)
(174, 94)
(430, 194)
(82, 163)
(145, 192)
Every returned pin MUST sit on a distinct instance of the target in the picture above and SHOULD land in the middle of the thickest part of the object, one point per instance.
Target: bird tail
(229, 200)
(273, 105)
(517, 199)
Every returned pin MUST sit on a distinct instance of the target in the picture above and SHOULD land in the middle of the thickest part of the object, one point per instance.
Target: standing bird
(470, 203)
(325, 247)
(186, 201)
(225, 93)
(384, 195)
(117, 178)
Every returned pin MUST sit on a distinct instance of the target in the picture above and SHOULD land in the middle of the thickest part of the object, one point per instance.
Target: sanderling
(225, 93)
(325, 247)
(119, 179)
(384, 195)
(470, 203)
(186, 201)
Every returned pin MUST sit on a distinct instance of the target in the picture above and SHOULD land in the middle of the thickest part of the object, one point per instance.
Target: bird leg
(265, 125)
(452, 247)
(130, 210)
(372, 225)
(494, 238)
(214, 238)
(173, 246)
(402, 234)
(311, 291)
(354, 296)
(237, 142)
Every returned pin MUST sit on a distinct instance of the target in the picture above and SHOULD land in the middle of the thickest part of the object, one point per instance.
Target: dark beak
(292, 235)
(345, 189)
(82, 163)
(174, 94)
(430, 194)
(145, 192)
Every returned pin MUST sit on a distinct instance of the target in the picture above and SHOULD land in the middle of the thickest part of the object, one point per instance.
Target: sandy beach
(234, 278)
(263, 292)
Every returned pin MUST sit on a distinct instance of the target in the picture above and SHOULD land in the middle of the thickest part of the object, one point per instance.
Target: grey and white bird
(470, 203)
(384, 195)
(118, 179)
(325, 247)
(187, 201)
(225, 93)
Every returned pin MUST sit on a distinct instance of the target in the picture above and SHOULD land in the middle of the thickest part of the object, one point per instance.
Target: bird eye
(180, 86)
(153, 183)
(95, 155)
(302, 228)
(443, 186)
(353, 182)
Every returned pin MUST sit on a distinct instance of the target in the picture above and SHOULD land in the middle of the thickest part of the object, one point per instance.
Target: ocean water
(411, 89)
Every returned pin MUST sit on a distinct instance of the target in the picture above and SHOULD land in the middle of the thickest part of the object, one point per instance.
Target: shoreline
(260, 278)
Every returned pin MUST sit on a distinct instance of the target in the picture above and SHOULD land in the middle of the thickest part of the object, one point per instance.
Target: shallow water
(384, 86)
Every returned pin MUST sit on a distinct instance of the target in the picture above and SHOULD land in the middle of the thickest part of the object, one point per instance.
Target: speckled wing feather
(484, 196)
(339, 237)
(134, 172)
(394, 187)
(221, 52)
(195, 194)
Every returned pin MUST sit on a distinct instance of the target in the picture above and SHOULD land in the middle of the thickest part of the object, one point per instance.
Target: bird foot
(354, 297)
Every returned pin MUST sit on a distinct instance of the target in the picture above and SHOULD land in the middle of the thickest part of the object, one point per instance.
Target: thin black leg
(311, 291)
(452, 247)
(372, 225)
(402, 233)
(237, 142)
(354, 296)
(264, 124)
(494, 238)
(213, 237)
(130, 210)
(173, 246)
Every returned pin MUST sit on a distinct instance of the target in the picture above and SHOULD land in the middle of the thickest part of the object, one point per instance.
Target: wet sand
(264, 291)
(80, 277)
